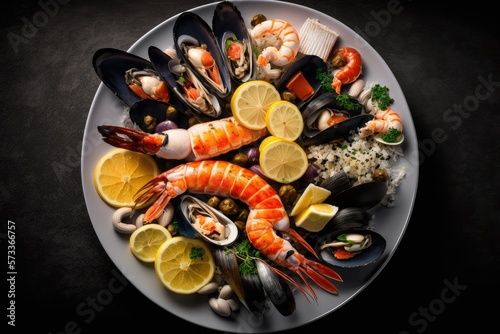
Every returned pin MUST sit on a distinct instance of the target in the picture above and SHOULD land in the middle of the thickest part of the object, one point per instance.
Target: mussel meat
(208, 223)
(130, 77)
(185, 84)
(199, 50)
(351, 248)
(232, 35)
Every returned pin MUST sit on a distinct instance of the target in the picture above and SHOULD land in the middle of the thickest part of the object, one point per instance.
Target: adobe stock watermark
(49, 9)
(420, 319)
(382, 18)
(88, 309)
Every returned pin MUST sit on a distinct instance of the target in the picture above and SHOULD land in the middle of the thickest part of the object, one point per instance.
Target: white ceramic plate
(390, 222)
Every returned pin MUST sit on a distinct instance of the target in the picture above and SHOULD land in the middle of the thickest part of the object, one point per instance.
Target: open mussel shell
(340, 130)
(190, 206)
(350, 217)
(276, 288)
(328, 101)
(363, 258)
(169, 70)
(227, 23)
(309, 66)
(111, 64)
(365, 195)
(190, 30)
(148, 113)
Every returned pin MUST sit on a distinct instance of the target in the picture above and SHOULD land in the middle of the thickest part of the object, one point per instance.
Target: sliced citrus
(250, 102)
(283, 161)
(312, 194)
(120, 173)
(284, 120)
(316, 216)
(184, 265)
(268, 140)
(145, 241)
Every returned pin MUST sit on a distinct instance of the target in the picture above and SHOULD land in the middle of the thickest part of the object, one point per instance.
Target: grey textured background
(438, 56)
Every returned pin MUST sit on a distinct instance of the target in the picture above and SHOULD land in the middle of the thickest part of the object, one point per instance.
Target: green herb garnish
(345, 101)
(325, 79)
(380, 95)
(247, 254)
(391, 136)
(196, 252)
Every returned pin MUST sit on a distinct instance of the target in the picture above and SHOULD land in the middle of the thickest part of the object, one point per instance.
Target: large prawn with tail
(267, 213)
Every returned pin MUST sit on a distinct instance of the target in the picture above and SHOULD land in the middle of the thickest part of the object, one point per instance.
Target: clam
(365, 195)
(185, 84)
(300, 79)
(351, 248)
(128, 75)
(328, 109)
(199, 50)
(208, 223)
(341, 130)
(232, 36)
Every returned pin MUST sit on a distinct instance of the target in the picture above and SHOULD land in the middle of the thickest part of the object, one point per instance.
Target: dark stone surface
(441, 58)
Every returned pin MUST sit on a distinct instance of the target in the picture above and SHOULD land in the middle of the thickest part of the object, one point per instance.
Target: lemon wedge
(316, 216)
(312, 194)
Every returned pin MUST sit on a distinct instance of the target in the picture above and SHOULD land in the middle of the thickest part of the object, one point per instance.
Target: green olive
(150, 122)
(380, 174)
(172, 113)
(243, 214)
(240, 159)
(213, 201)
(259, 18)
(288, 194)
(288, 96)
(228, 207)
(240, 225)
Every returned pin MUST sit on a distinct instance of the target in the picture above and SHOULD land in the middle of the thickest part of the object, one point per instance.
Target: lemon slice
(283, 161)
(284, 120)
(312, 194)
(120, 173)
(250, 102)
(145, 241)
(268, 140)
(316, 216)
(184, 265)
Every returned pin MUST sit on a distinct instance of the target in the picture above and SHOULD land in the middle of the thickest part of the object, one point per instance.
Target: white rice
(359, 158)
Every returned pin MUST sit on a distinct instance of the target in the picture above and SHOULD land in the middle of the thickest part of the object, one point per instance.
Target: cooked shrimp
(383, 122)
(267, 213)
(350, 71)
(289, 42)
(201, 141)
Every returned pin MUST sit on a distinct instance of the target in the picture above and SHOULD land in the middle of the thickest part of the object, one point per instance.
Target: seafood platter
(185, 72)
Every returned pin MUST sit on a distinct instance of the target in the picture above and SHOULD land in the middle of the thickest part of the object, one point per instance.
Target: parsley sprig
(246, 253)
(380, 95)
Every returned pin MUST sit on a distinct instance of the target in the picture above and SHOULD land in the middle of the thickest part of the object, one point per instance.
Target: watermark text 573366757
(11, 272)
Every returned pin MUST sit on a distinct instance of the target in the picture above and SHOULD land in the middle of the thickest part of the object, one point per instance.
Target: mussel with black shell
(182, 81)
(130, 77)
(198, 49)
(235, 43)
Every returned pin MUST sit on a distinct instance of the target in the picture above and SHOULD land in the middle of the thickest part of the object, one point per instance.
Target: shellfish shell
(190, 30)
(190, 205)
(227, 23)
(363, 258)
